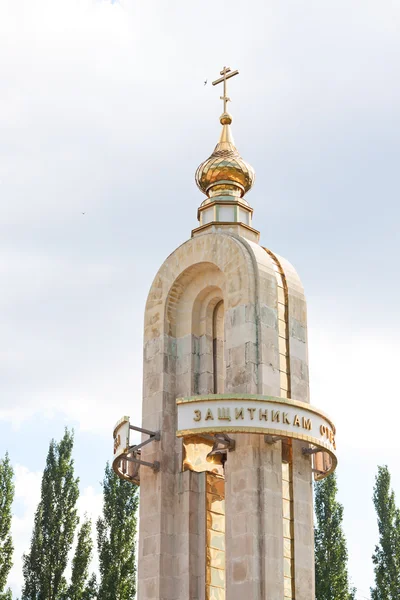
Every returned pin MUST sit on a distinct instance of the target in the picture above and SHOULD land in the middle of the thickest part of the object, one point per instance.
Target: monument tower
(230, 441)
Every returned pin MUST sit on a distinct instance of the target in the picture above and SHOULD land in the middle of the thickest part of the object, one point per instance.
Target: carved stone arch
(227, 253)
(187, 310)
(196, 280)
(203, 309)
(175, 304)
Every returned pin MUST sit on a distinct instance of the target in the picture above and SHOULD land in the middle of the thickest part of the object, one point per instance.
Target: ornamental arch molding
(222, 252)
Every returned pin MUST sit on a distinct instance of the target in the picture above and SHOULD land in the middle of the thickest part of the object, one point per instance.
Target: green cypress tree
(55, 522)
(387, 553)
(6, 545)
(331, 575)
(116, 538)
(82, 588)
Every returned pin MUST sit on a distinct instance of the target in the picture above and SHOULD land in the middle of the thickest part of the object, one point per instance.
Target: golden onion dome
(225, 173)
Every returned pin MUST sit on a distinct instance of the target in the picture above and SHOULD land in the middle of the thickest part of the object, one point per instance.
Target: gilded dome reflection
(225, 172)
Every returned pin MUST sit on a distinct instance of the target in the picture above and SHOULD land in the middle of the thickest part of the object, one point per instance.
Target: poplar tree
(55, 522)
(91, 590)
(386, 557)
(6, 545)
(331, 574)
(116, 538)
(81, 587)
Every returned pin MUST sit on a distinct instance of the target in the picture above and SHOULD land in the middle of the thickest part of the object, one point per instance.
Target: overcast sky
(104, 112)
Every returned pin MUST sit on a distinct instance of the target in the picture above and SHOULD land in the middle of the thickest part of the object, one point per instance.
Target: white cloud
(90, 503)
(66, 350)
(104, 111)
(352, 379)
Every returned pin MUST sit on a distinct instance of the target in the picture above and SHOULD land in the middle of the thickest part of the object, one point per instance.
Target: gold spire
(225, 174)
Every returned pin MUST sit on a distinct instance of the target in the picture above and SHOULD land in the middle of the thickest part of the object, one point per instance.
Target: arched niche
(208, 342)
(191, 315)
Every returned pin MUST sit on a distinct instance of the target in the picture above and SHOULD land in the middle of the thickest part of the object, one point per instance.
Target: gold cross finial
(226, 74)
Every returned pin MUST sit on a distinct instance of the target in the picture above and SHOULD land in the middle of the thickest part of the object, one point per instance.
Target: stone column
(190, 539)
(254, 542)
(303, 524)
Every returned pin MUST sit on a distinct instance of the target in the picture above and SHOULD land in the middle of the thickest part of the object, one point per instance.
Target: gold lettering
(263, 414)
(197, 415)
(296, 421)
(239, 413)
(328, 433)
(285, 418)
(251, 411)
(224, 414)
(209, 415)
(117, 443)
(276, 415)
(307, 424)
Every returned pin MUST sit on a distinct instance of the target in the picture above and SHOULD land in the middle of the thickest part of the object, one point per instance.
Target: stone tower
(226, 506)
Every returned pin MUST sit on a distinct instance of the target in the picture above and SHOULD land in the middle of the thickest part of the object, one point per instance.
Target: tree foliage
(55, 522)
(331, 574)
(81, 587)
(91, 589)
(6, 544)
(116, 538)
(387, 553)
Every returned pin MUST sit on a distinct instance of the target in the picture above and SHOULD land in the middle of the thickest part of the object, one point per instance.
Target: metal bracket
(309, 451)
(135, 451)
(154, 465)
(312, 452)
(318, 472)
(272, 439)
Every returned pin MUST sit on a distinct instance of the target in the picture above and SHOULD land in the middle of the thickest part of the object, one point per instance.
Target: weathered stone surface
(183, 328)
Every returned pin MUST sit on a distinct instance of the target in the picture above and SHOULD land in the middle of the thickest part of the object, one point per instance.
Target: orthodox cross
(226, 74)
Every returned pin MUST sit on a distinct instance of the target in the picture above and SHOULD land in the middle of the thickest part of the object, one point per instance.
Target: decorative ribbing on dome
(225, 172)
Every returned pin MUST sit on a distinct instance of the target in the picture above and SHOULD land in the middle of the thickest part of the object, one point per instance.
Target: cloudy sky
(104, 112)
